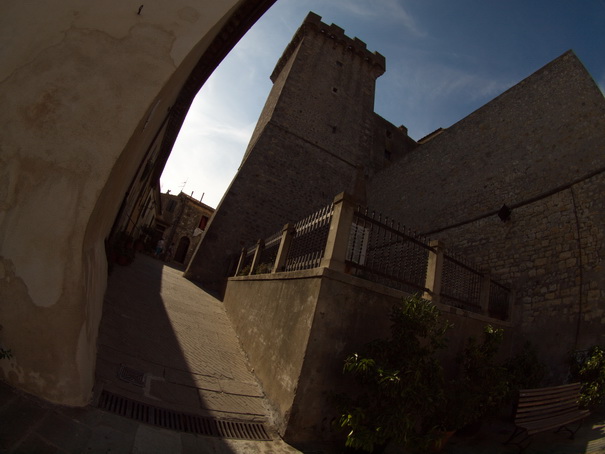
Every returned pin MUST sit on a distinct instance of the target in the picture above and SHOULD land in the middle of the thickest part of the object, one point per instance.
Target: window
(338, 63)
(171, 206)
(203, 222)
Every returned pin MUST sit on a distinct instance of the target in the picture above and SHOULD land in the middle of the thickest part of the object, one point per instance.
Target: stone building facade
(316, 136)
(537, 150)
(181, 223)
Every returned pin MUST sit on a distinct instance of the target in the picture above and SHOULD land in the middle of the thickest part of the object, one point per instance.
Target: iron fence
(386, 252)
(383, 251)
(499, 300)
(268, 253)
(460, 284)
(244, 268)
(309, 241)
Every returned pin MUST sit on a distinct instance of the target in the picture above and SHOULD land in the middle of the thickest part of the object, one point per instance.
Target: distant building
(181, 221)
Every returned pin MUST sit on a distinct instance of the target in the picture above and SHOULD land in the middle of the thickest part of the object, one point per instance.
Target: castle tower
(313, 138)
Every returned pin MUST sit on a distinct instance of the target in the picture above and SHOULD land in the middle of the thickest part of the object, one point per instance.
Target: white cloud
(385, 10)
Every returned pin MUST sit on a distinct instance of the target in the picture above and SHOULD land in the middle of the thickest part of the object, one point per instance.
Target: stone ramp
(167, 343)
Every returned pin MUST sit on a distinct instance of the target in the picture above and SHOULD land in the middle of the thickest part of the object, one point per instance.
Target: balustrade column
(340, 229)
(240, 263)
(434, 272)
(284, 247)
(257, 253)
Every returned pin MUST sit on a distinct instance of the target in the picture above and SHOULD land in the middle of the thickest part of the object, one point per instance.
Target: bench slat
(521, 419)
(550, 390)
(554, 423)
(544, 409)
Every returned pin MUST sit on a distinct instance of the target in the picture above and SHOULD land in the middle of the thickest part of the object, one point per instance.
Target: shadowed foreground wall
(86, 90)
(297, 328)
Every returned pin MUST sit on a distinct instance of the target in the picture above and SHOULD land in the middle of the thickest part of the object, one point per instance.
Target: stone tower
(315, 138)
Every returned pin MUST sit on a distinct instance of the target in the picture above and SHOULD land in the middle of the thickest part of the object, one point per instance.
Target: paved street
(163, 342)
(161, 325)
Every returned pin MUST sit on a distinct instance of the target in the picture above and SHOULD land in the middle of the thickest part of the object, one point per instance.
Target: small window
(389, 134)
(203, 222)
(333, 129)
(338, 63)
(387, 154)
(334, 90)
(171, 206)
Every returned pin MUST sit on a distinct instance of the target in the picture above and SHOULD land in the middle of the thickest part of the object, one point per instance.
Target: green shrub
(401, 378)
(525, 369)
(588, 367)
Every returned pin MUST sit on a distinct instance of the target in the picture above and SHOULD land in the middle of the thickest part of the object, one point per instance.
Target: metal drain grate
(181, 422)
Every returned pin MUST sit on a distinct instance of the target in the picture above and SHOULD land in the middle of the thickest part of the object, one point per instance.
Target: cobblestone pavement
(162, 326)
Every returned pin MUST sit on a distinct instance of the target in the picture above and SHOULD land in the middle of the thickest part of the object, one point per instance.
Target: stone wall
(539, 148)
(314, 139)
(543, 133)
(297, 328)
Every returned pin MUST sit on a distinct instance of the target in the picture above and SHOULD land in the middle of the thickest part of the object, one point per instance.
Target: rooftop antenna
(183, 185)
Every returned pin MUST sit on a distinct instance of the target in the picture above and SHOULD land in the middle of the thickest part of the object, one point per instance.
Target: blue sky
(444, 59)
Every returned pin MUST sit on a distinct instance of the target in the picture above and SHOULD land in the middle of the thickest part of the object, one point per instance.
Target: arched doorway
(181, 250)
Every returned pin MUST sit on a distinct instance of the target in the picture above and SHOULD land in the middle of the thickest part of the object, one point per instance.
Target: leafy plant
(589, 368)
(525, 370)
(264, 268)
(484, 382)
(402, 380)
(245, 271)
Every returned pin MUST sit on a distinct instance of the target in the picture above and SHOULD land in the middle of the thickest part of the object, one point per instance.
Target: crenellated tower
(316, 137)
(323, 91)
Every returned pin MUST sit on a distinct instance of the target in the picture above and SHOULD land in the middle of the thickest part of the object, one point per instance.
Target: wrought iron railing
(380, 250)
(246, 261)
(268, 254)
(499, 301)
(460, 284)
(385, 252)
(309, 241)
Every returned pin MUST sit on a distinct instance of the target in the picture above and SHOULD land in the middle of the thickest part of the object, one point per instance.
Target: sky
(444, 59)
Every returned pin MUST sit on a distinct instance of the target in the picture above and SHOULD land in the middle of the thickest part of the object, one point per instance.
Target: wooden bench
(543, 409)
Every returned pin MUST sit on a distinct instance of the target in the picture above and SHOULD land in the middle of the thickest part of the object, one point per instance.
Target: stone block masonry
(547, 164)
(314, 139)
(538, 148)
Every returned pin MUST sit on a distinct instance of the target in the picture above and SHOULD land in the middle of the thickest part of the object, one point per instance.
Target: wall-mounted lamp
(504, 213)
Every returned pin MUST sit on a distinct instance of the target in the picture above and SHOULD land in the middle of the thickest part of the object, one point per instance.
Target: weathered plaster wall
(297, 328)
(273, 316)
(84, 88)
